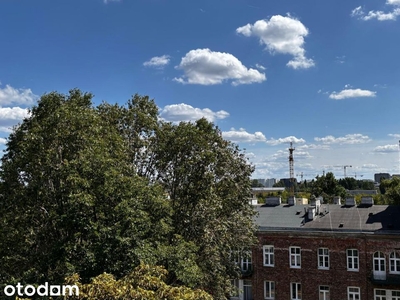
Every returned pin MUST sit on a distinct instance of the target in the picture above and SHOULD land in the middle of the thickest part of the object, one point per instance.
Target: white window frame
(353, 293)
(380, 294)
(394, 263)
(323, 258)
(379, 266)
(246, 262)
(353, 263)
(268, 256)
(247, 290)
(295, 257)
(269, 290)
(394, 296)
(324, 292)
(295, 291)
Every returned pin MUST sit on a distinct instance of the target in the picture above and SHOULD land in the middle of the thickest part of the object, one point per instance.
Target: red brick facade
(338, 278)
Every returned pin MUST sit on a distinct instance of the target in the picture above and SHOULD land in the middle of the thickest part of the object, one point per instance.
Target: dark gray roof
(376, 218)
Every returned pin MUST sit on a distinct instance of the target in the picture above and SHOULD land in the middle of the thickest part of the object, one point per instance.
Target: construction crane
(302, 175)
(344, 169)
(291, 169)
(355, 175)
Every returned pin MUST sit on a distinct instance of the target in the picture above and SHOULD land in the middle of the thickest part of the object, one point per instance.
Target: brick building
(334, 252)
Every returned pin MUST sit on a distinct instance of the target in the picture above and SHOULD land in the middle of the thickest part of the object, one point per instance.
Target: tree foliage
(143, 283)
(89, 190)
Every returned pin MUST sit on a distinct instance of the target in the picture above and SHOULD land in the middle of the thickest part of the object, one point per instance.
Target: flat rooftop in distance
(375, 218)
(267, 189)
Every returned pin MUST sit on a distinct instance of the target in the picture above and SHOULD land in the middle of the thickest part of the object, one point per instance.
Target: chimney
(350, 201)
(367, 200)
(273, 201)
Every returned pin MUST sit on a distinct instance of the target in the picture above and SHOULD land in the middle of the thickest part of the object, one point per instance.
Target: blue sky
(321, 74)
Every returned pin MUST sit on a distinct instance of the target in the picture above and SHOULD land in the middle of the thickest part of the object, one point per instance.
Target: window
(295, 257)
(324, 292)
(352, 259)
(295, 291)
(268, 252)
(247, 293)
(269, 290)
(380, 295)
(379, 266)
(353, 293)
(394, 261)
(323, 258)
(395, 295)
(246, 262)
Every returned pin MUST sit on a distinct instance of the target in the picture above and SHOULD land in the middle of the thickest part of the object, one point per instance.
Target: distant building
(379, 176)
(270, 182)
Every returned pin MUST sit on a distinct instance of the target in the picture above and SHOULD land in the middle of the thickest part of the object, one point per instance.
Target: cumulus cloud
(352, 93)
(283, 35)
(390, 15)
(369, 166)
(286, 140)
(395, 135)
(313, 147)
(10, 116)
(260, 67)
(283, 155)
(206, 67)
(188, 113)
(387, 148)
(356, 138)
(157, 61)
(242, 135)
(13, 96)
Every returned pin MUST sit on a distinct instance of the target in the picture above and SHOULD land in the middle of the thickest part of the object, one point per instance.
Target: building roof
(374, 219)
(267, 189)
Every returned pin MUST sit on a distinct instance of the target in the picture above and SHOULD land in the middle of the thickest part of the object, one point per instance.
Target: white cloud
(314, 147)
(347, 139)
(13, 96)
(109, 1)
(3, 141)
(387, 148)
(395, 135)
(157, 61)
(284, 35)
(283, 155)
(380, 15)
(286, 140)
(393, 2)
(206, 67)
(260, 67)
(369, 166)
(352, 93)
(185, 112)
(242, 135)
(10, 116)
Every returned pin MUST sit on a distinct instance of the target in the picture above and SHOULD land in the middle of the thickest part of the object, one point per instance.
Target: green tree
(143, 283)
(70, 201)
(100, 189)
(391, 188)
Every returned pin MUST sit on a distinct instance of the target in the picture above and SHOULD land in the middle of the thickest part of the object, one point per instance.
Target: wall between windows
(338, 277)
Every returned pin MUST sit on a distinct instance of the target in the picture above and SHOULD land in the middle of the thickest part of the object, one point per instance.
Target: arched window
(394, 262)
